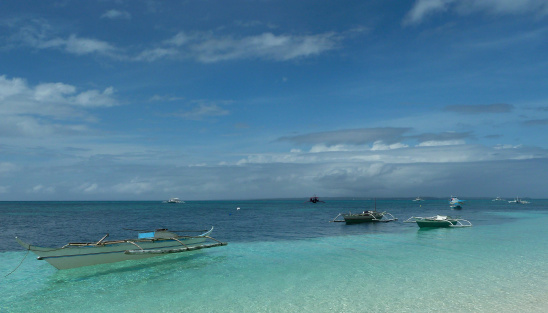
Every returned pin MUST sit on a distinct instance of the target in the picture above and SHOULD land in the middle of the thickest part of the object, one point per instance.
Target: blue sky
(147, 100)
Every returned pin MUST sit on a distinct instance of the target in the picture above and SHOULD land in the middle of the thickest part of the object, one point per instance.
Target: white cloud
(433, 143)
(207, 48)
(265, 46)
(425, 8)
(203, 47)
(76, 45)
(96, 98)
(156, 54)
(43, 189)
(29, 111)
(379, 145)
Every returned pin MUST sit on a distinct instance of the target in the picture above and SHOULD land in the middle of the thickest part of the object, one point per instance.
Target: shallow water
(284, 256)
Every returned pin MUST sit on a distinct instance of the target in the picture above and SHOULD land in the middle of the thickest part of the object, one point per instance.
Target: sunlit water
(284, 256)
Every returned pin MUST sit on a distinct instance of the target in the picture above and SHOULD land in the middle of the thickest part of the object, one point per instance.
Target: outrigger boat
(315, 199)
(365, 217)
(438, 221)
(148, 244)
(518, 200)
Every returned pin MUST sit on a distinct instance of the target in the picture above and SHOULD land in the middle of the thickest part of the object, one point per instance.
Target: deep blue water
(284, 256)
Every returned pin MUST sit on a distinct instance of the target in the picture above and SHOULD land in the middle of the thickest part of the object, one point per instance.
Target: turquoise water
(284, 256)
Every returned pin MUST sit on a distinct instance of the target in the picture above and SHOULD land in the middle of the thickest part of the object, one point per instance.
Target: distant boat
(365, 217)
(148, 244)
(418, 199)
(315, 199)
(517, 200)
(456, 203)
(498, 199)
(175, 200)
(438, 221)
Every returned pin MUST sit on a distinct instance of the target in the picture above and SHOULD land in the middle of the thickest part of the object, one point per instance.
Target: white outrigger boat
(148, 244)
(175, 200)
(518, 200)
(438, 221)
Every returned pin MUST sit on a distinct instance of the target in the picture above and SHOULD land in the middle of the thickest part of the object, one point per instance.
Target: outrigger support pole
(165, 251)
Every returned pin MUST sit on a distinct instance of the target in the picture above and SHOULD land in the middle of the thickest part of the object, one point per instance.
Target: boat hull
(79, 256)
(361, 218)
(435, 224)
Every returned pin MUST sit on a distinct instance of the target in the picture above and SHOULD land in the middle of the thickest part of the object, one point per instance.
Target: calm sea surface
(283, 256)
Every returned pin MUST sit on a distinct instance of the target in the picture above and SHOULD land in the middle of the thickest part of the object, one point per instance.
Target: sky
(251, 99)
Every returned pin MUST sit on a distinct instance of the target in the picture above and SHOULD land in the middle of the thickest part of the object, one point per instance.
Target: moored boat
(315, 199)
(175, 200)
(456, 203)
(148, 244)
(438, 221)
(365, 217)
(518, 200)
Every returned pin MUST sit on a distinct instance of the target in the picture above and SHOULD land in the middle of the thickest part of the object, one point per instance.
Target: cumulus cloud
(422, 9)
(32, 110)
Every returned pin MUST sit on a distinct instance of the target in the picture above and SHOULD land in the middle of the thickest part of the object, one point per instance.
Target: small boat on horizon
(147, 244)
(518, 200)
(455, 203)
(418, 199)
(498, 199)
(175, 200)
(438, 221)
(315, 199)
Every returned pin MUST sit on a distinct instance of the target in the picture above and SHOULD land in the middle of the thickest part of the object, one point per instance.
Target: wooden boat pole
(135, 244)
(179, 242)
(104, 237)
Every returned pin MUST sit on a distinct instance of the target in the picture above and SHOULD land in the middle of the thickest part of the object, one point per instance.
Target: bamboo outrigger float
(148, 244)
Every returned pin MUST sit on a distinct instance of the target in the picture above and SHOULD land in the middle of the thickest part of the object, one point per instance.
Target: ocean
(283, 256)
